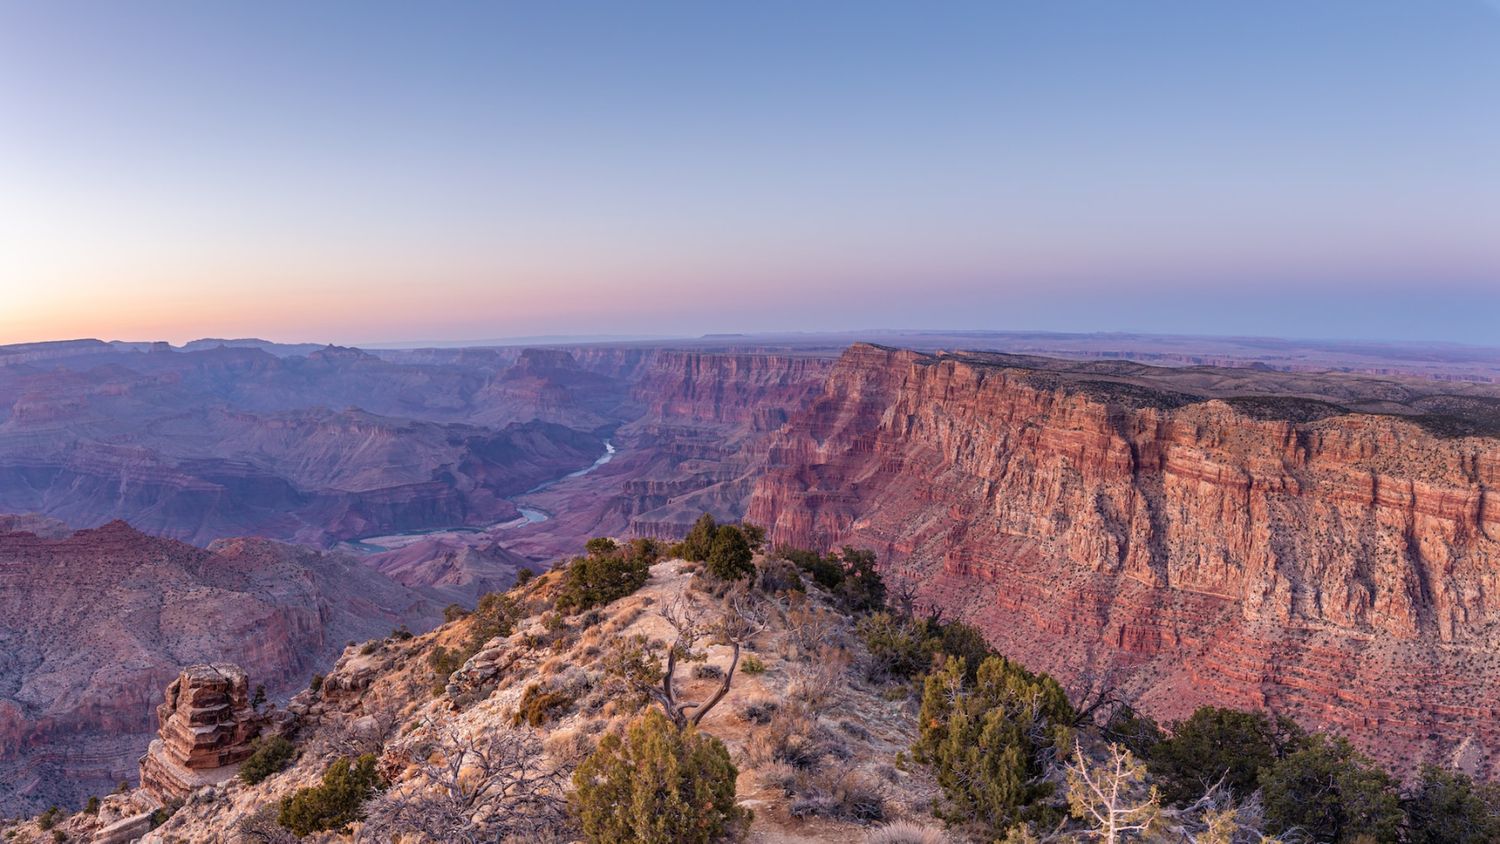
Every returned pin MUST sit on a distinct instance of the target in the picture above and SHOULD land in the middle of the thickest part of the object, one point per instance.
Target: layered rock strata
(207, 729)
(1283, 554)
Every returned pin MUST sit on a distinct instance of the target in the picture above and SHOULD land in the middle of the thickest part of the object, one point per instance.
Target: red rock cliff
(1340, 567)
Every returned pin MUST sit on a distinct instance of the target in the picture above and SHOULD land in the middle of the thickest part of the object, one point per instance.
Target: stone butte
(208, 728)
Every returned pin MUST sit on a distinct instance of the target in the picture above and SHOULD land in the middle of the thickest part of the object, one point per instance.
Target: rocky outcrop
(207, 729)
(1199, 548)
(93, 625)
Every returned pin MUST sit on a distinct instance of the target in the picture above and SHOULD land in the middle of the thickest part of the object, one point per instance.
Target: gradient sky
(363, 172)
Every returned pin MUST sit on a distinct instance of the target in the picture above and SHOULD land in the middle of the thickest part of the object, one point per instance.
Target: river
(529, 516)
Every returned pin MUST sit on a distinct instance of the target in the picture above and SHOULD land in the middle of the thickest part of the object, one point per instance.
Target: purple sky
(364, 172)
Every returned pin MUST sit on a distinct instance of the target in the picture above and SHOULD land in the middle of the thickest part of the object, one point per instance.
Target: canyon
(94, 623)
(1189, 536)
(1272, 535)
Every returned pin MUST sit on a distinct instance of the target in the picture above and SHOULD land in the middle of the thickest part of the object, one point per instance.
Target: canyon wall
(93, 624)
(1339, 567)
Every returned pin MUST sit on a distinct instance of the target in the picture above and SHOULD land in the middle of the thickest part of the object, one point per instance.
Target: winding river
(529, 516)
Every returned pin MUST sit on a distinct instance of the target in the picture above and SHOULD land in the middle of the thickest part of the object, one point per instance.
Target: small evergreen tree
(657, 785)
(730, 557)
(1330, 792)
(1217, 743)
(271, 756)
(861, 589)
(1447, 807)
(335, 804)
(700, 540)
(990, 742)
(598, 579)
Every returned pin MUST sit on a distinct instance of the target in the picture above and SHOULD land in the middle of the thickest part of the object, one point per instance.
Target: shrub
(657, 785)
(791, 738)
(906, 832)
(758, 710)
(899, 648)
(494, 616)
(316, 683)
(775, 576)
(270, 756)
(91, 807)
(49, 818)
(827, 572)
(730, 557)
(336, 803)
(708, 671)
(162, 814)
(453, 612)
(596, 580)
(862, 589)
(752, 665)
(990, 742)
(1217, 743)
(601, 545)
(524, 576)
(1330, 792)
(401, 633)
(444, 662)
(699, 541)
(538, 704)
(1447, 807)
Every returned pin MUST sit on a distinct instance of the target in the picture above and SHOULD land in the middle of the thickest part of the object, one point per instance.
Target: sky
(368, 172)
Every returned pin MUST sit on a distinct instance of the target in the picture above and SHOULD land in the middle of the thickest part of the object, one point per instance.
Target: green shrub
(899, 648)
(862, 589)
(1447, 807)
(1215, 744)
(827, 572)
(1332, 793)
(990, 742)
(699, 541)
(453, 612)
(335, 804)
(270, 756)
(91, 807)
(315, 685)
(524, 576)
(444, 662)
(730, 557)
(49, 818)
(598, 579)
(752, 665)
(657, 785)
(162, 814)
(495, 615)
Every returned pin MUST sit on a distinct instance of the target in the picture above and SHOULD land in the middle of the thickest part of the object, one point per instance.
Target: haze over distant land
(1274, 168)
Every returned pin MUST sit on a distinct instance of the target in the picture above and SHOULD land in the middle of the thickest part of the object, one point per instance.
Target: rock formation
(207, 729)
(1111, 521)
(94, 624)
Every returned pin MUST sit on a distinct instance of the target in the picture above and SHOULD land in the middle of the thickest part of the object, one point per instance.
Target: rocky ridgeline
(384, 697)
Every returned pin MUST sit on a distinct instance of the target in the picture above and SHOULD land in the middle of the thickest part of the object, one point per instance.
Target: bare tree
(351, 735)
(489, 786)
(1112, 797)
(737, 621)
(1098, 697)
